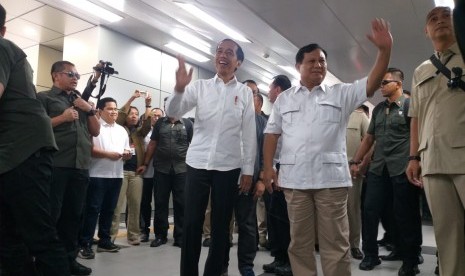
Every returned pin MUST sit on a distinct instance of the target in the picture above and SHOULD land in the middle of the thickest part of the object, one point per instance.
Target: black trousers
(223, 187)
(26, 226)
(278, 226)
(67, 197)
(404, 197)
(167, 184)
(246, 218)
(148, 192)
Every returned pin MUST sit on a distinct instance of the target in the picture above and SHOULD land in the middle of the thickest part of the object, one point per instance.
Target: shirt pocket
(456, 140)
(334, 168)
(398, 121)
(425, 79)
(329, 112)
(289, 114)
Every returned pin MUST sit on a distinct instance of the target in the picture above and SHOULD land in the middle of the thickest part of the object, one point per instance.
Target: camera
(106, 68)
(455, 81)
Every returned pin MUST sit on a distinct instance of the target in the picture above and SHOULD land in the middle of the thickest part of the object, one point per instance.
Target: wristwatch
(414, 157)
(92, 112)
(352, 162)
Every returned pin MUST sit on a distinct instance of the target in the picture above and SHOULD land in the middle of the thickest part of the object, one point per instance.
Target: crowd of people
(67, 165)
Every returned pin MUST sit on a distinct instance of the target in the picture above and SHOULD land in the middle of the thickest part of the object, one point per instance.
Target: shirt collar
(217, 79)
(303, 88)
(105, 124)
(454, 49)
(59, 91)
(399, 101)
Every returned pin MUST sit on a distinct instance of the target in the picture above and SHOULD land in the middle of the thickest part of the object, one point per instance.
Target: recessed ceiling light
(193, 41)
(95, 10)
(444, 3)
(205, 17)
(186, 52)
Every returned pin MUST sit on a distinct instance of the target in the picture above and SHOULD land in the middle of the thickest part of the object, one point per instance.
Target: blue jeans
(102, 196)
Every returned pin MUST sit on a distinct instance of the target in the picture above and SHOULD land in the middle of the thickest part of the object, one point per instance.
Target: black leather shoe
(383, 242)
(271, 267)
(78, 269)
(369, 263)
(177, 243)
(436, 270)
(158, 241)
(420, 259)
(284, 270)
(356, 253)
(144, 238)
(393, 256)
(408, 270)
(206, 242)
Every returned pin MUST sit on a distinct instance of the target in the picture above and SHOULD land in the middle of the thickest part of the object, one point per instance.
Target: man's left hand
(246, 183)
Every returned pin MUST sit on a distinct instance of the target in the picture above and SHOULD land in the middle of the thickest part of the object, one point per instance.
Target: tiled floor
(164, 261)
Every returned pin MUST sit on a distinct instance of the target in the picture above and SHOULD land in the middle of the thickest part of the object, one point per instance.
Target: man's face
(439, 24)
(109, 113)
(226, 61)
(313, 67)
(274, 92)
(156, 114)
(253, 87)
(67, 79)
(389, 85)
(133, 117)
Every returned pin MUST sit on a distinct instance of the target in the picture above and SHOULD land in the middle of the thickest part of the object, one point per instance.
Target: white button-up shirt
(313, 126)
(112, 137)
(224, 118)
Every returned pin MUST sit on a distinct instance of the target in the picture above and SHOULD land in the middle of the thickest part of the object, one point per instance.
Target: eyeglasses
(384, 82)
(71, 74)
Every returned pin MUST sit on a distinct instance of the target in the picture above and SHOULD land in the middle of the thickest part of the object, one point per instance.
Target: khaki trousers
(446, 198)
(354, 212)
(131, 190)
(329, 206)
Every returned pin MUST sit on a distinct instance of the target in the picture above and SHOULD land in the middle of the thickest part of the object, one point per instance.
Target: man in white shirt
(109, 151)
(314, 173)
(224, 121)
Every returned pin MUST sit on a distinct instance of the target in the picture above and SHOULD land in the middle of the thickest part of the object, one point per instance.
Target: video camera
(106, 68)
(106, 71)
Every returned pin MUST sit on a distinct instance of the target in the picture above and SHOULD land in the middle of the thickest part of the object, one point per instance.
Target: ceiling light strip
(186, 52)
(94, 10)
(213, 22)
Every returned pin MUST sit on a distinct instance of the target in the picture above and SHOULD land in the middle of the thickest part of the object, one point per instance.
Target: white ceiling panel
(38, 33)
(19, 7)
(22, 42)
(57, 21)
